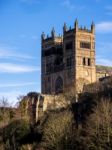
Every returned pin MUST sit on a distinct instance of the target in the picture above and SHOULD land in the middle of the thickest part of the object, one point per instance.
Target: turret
(53, 33)
(43, 36)
(64, 28)
(93, 27)
(76, 25)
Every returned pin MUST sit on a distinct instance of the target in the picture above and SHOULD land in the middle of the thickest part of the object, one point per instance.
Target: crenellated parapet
(76, 28)
(52, 38)
(67, 30)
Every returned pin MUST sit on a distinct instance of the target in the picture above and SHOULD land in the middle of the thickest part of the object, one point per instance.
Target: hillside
(84, 125)
(107, 69)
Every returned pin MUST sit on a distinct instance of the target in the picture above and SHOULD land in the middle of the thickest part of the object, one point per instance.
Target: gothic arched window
(59, 85)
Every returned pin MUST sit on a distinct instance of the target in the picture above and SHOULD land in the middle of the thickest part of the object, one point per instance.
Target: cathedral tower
(68, 60)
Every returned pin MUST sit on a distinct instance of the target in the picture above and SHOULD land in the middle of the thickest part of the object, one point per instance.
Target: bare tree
(100, 125)
(58, 131)
(4, 112)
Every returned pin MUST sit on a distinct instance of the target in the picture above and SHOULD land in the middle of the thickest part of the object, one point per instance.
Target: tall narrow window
(84, 61)
(89, 62)
(48, 68)
(59, 85)
(69, 62)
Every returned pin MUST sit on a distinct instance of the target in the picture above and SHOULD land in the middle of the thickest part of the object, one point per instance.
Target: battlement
(52, 37)
(66, 31)
(85, 30)
(77, 28)
(56, 38)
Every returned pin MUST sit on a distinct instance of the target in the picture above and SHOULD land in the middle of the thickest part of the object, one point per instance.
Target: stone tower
(68, 60)
(51, 63)
(85, 66)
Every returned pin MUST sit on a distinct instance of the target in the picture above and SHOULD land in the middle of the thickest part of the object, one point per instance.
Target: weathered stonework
(33, 108)
(68, 60)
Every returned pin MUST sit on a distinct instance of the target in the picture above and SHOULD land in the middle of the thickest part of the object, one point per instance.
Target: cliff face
(106, 69)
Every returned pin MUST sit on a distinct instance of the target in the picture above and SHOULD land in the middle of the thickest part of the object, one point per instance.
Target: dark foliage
(87, 130)
(33, 95)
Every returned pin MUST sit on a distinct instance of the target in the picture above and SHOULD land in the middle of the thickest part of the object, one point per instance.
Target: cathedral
(68, 60)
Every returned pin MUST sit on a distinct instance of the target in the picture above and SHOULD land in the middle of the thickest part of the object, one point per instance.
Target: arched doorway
(59, 85)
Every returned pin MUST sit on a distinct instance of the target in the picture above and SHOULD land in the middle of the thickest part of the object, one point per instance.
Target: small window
(59, 85)
(85, 45)
(69, 62)
(84, 61)
(89, 62)
(48, 68)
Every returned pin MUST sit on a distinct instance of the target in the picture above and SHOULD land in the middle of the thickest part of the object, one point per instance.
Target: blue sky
(21, 25)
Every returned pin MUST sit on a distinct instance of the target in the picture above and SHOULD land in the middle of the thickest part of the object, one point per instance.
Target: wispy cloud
(103, 51)
(11, 96)
(16, 68)
(102, 57)
(104, 27)
(17, 84)
(109, 10)
(70, 6)
(11, 53)
(104, 47)
(24, 36)
(103, 61)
